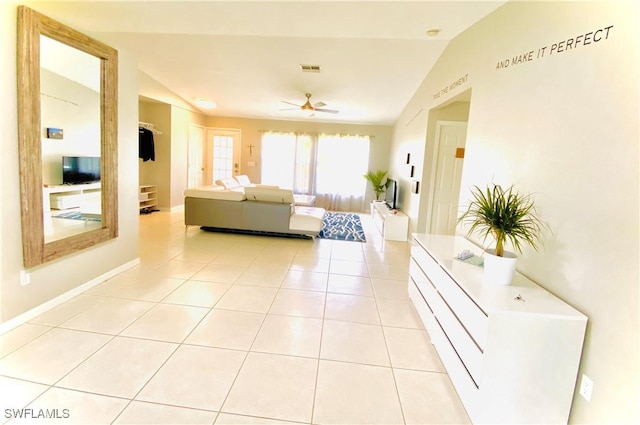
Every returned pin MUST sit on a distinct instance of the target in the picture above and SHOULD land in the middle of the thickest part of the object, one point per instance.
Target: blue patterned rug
(76, 215)
(342, 226)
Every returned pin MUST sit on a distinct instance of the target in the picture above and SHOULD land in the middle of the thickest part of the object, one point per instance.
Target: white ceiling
(246, 55)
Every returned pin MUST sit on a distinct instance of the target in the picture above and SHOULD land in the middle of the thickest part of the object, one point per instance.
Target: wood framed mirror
(38, 244)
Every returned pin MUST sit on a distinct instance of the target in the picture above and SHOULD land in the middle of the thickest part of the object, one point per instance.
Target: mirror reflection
(70, 120)
(67, 138)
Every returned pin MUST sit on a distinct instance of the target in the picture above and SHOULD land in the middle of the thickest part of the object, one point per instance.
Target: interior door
(195, 164)
(222, 154)
(450, 138)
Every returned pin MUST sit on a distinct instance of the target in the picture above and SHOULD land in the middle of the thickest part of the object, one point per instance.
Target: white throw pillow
(243, 180)
(229, 183)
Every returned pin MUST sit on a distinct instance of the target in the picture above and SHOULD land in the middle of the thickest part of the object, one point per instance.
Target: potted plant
(507, 216)
(378, 180)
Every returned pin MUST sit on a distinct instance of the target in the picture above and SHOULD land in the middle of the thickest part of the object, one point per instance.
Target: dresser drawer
(423, 294)
(422, 308)
(457, 335)
(464, 384)
(471, 316)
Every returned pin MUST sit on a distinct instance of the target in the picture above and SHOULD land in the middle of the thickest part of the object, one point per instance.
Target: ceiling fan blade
(319, 104)
(289, 109)
(289, 103)
(330, 111)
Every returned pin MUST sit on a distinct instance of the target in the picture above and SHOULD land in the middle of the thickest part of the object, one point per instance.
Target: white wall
(565, 127)
(54, 278)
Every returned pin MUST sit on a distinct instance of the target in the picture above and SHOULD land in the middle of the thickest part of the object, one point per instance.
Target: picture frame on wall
(415, 187)
(408, 158)
(411, 170)
(54, 133)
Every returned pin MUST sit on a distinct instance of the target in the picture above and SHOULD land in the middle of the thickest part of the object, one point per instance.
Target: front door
(223, 154)
(450, 138)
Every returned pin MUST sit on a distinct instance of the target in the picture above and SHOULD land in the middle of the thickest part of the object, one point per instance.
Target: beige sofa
(261, 210)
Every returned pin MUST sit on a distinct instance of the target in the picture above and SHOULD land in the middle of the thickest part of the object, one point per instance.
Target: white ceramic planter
(499, 270)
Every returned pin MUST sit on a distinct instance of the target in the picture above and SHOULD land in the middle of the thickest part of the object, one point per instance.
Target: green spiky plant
(378, 180)
(505, 215)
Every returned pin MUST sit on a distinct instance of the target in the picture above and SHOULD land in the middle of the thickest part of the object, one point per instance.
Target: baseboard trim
(48, 305)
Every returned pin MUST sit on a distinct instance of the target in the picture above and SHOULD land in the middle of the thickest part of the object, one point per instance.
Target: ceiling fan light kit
(308, 108)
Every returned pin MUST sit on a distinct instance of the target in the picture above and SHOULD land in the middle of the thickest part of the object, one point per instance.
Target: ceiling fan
(308, 107)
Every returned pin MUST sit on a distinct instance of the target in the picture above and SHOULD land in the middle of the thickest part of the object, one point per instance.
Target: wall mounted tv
(391, 194)
(80, 169)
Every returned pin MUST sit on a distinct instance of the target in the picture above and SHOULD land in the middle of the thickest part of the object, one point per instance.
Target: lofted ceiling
(247, 55)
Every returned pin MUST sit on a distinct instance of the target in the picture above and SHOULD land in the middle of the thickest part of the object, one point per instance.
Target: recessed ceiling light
(204, 103)
(433, 32)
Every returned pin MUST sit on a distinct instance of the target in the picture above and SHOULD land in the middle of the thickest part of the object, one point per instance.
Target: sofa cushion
(202, 191)
(243, 180)
(214, 192)
(307, 219)
(267, 194)
(229, 183)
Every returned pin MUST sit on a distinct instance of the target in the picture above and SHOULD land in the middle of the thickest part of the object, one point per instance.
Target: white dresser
(512, 352)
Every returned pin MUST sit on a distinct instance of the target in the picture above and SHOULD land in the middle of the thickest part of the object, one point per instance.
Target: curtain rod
(316, 133)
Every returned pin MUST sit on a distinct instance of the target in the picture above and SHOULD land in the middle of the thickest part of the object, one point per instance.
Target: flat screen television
(80, 169)
(391, 194)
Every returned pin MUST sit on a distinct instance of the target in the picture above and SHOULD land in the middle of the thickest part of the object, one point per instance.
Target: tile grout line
(178, 346)
(244, 360)
(393, 375)
(324, 318)
(211, 308)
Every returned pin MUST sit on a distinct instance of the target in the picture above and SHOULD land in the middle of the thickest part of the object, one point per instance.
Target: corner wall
(57, 277)
(563, 124)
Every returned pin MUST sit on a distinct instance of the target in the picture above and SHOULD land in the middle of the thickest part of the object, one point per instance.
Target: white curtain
(331, 167)
(278, 159)
(341, 162)
(304, 169)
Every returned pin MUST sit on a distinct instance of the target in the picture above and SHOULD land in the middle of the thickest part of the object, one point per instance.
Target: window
(278, 159)
(327, 166)
(342, 161)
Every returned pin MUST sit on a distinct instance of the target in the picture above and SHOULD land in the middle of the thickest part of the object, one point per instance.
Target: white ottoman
(307, 219)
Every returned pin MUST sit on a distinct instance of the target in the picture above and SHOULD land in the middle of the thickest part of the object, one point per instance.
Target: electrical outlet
(25, 277)
(586, 387)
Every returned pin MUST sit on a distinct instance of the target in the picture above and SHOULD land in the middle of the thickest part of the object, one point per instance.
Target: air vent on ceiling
(310, 68)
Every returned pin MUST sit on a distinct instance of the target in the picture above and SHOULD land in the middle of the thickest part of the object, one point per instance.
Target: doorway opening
(444, 157)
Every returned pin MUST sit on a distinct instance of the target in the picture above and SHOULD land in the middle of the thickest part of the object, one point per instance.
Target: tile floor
(230, 329)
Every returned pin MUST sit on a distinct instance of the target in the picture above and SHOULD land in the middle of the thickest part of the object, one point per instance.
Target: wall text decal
(565, 45)
(59, 99)
(460, 81)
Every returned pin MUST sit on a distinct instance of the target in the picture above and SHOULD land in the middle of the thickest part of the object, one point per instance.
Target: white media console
(87, 197)
(392, 224)
(512, 352)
